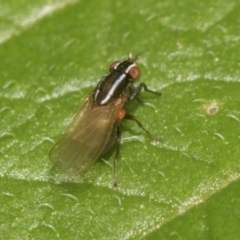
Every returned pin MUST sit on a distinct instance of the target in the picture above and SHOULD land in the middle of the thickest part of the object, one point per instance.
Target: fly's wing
(85, 138)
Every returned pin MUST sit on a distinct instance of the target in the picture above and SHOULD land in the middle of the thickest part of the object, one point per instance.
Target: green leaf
(53, 53)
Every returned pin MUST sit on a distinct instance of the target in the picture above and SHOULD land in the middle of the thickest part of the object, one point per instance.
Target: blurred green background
(53, 53)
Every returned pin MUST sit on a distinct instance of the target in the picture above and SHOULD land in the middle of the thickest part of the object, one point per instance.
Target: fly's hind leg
(116, 157)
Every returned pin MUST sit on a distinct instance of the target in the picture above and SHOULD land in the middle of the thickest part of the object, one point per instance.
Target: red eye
(135, 72)
(113, 65)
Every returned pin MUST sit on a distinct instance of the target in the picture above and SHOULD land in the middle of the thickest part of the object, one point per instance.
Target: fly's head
(127, 67)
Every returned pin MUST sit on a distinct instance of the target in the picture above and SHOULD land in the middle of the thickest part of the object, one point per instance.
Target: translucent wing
(86, 137)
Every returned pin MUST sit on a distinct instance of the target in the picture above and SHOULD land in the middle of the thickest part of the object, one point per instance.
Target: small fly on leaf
(96, 126)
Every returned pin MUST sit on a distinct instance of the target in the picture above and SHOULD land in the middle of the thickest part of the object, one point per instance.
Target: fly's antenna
(137, 58)
(139, 54)
(133, 59)
(130, 58)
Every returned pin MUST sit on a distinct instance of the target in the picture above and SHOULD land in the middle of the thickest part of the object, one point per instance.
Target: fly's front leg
(116, 157)
(134, 95)
(139, 88)
(133, 118)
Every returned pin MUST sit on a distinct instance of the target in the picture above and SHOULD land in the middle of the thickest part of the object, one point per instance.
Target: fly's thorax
(111, 87)
(123, 99)
(116, 84)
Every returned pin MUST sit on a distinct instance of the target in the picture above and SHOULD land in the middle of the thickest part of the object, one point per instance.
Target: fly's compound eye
(135, 72)
(113, 66)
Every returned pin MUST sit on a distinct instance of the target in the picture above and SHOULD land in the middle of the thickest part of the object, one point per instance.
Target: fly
(96, 126)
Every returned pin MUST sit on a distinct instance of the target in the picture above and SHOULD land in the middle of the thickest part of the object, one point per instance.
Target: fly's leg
(133, 118)
(134, 95)
(139, 88)
(116, 157)
(139, 100)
